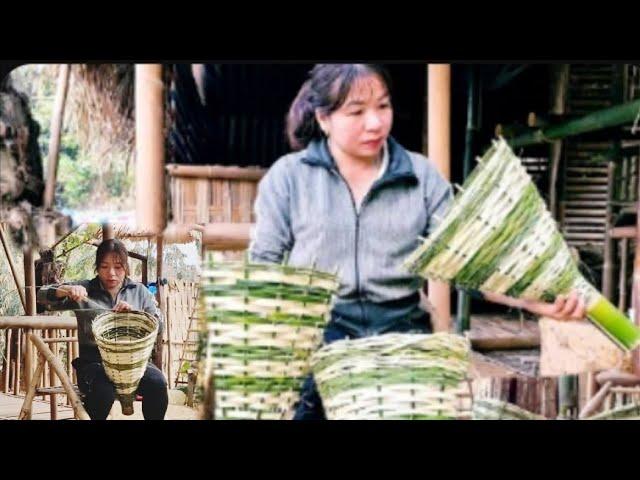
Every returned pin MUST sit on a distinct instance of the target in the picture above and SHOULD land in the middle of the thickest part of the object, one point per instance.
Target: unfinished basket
(394, 376)
(263, 322)
(494, 409)
(498, 236)
(125, 341)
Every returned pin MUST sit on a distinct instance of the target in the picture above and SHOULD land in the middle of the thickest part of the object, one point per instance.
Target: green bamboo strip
(499, 237)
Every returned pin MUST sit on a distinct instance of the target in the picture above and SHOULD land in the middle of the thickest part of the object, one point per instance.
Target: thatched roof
(101, 106)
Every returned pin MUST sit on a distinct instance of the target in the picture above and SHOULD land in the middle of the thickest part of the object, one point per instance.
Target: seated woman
(113, 289)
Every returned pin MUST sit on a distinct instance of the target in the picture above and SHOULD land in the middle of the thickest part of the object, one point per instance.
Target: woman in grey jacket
(351, 199)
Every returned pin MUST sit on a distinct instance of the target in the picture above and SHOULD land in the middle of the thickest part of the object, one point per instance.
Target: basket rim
(129, 343)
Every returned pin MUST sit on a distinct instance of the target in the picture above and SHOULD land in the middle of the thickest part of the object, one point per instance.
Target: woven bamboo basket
(125, 341)
(394, 376)
(263, 322)
(498, 236)
(494, 409)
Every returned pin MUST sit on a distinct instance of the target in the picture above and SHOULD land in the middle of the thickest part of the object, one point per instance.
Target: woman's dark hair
(326, 90)
(113, 246)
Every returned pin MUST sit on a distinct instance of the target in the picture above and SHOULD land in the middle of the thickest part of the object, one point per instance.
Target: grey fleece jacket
(305, 207)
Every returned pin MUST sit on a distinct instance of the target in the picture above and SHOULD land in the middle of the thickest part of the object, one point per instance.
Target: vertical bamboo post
(56, 133)
(149, 114)
(559, 88)
(7, 367)
(53, 398)
(622, 286)
(16, 372)
(12, 267)
(107, 232)
(636, 285)
(160, 297)
(25, 411)
(30, 286)
(439, 152)
(68, 362)
(607, 268)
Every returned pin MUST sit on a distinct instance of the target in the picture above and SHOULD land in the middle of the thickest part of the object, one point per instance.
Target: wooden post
(25, 411)
(149, 114)
(168, 329)
(622, 286)
(559, 92)
(56, 133)
(160, 299)
(16, 372)
(12, 267)
(607, 268)
(636, 285)
(53, 398)
(107, 232)
(439, 152)
(7, 365)
(30, 297)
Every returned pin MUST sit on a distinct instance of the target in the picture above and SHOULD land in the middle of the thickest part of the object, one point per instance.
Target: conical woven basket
(498, 236)
(394, 376)
(125, 341)
(263, 322)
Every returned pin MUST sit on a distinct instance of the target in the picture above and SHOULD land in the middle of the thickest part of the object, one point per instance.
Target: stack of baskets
(125, 342)
(494, 409)
(394, 376)
(263, 322)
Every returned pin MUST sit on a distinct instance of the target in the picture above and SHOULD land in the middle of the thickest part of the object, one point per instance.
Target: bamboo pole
(53, 398)
(25, 411)
(559, 92)
(160, 296)
(622, 285)
(16, 373)
(599, 120)
(7, 367)
(30, 297)
(149, 113)
(107, 232)
(595, 402)
(12, 267)
(251, 174)
(55, 364)
(38, 322)
(225, 235)
(464, 301)
(607, 268)
(635, 355)
(56, 133)
(439, 152)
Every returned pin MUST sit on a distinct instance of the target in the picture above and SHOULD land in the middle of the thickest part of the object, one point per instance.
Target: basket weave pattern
(394, 376)
(262, 324)
(125, 341)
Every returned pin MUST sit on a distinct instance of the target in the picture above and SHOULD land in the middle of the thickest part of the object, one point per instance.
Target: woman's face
(360, 127)
(111, 272)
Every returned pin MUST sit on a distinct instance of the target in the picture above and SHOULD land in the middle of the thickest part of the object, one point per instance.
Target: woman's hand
(74, 292)
(122, 306)
(565, 307)
(571, 307)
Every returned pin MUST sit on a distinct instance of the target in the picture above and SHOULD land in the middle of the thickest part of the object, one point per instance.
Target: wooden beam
(12, 267)
(37, 322)
(249, 174)
(622, 232)
(56, 134)
(226, 236)
(150, 158)
(635, 355)
(439, 152)
(599, 120)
